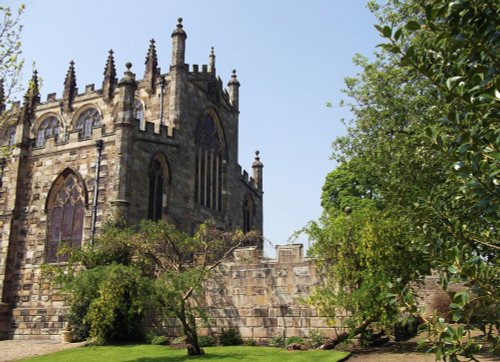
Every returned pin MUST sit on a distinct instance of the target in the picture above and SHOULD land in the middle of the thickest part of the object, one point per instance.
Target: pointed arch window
(139, 111)
(8, 138)
(89, 119)
(66, 211)
(48, 128)
(248, 213)
(209, 164)
(158, 181)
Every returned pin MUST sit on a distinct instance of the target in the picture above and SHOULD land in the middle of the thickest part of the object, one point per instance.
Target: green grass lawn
(150, 353)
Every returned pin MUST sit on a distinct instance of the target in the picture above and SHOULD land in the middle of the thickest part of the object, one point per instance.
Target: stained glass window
(209, 152)
(156, 190)
(49, 127)
(66, 214)
(88, 119)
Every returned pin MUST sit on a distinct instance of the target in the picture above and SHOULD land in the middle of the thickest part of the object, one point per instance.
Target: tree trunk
(331, 343)
(188, 322)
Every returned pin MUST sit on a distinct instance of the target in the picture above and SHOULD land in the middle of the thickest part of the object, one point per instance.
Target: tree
(151, 266)
(421, 155)
(10, 53)
(181, 265)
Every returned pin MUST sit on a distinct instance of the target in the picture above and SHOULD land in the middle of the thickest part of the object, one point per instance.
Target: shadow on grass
(206, 356)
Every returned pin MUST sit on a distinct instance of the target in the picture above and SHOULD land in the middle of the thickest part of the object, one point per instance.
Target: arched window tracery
(49, 127)
(158, 181)
(86, 121)
(248, 213)
(209, 164)
(66, 211)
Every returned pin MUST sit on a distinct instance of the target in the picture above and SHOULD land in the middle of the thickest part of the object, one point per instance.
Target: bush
(181, 340)
(277, 342)
(294, 339)
(250, 342)
(206, 341)
(159, 340)
(230, 337)
(107, 303)
(316, 338)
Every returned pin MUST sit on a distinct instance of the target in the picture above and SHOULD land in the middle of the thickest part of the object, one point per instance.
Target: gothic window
(157, 188)
(248, 213)
(66, 210)
(8, 138)
(209, 156)
(139, 111)
(88, 119)
(49, 127)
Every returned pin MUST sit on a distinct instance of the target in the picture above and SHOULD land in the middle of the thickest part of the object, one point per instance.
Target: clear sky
(291, 58)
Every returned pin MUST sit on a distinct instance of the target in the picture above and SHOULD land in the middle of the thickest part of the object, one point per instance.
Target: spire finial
(257, 153)
(151, 72)
(110, 80)
(179, 22)
(128, 65)
(69, 86)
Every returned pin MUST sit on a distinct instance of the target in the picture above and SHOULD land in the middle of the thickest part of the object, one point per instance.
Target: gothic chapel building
(161, 148)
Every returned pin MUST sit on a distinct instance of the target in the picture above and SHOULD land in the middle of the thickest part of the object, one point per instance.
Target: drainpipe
(98, 146)
(162, 92)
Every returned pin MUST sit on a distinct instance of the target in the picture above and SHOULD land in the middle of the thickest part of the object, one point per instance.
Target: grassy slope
(149, 353)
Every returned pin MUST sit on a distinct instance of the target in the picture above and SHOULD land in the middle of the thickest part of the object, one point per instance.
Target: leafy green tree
(181, 265)
(151, 266)
(10, 51)
(455, 46)
(420, 155)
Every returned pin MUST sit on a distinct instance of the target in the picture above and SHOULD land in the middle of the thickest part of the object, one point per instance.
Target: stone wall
(261, 297)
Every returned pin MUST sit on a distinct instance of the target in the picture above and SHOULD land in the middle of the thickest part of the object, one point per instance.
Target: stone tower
(161, 148)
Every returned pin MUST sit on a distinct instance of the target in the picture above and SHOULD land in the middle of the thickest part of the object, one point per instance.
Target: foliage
(294, 339)
(159, 340)
(107, 302)
(316, 338)
(419, 170)
(206, 341)
(162, 353)
(230, 337)
(10, 49)
(277, 341)
(129, 269)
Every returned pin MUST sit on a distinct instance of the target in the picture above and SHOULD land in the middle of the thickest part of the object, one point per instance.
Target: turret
(69, 87)
(211, 61)
(257, 171)
(178, 45)
(127, 87)
(110, 81)
(234, 91)
(151, 72)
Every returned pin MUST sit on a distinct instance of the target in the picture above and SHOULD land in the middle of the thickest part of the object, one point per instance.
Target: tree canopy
(419, 174)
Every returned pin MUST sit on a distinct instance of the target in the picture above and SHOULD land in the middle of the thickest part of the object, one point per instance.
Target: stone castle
(161, 148)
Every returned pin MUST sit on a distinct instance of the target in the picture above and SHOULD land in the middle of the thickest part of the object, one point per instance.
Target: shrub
(277, 342)
(107, 303)
(206, 341)
(316, 338)
(181, 340)
(230, 337)
(250, 342)
(159, 340)
(294, 339)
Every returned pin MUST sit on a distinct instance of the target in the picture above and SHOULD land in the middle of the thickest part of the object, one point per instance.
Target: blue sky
(291, 58)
